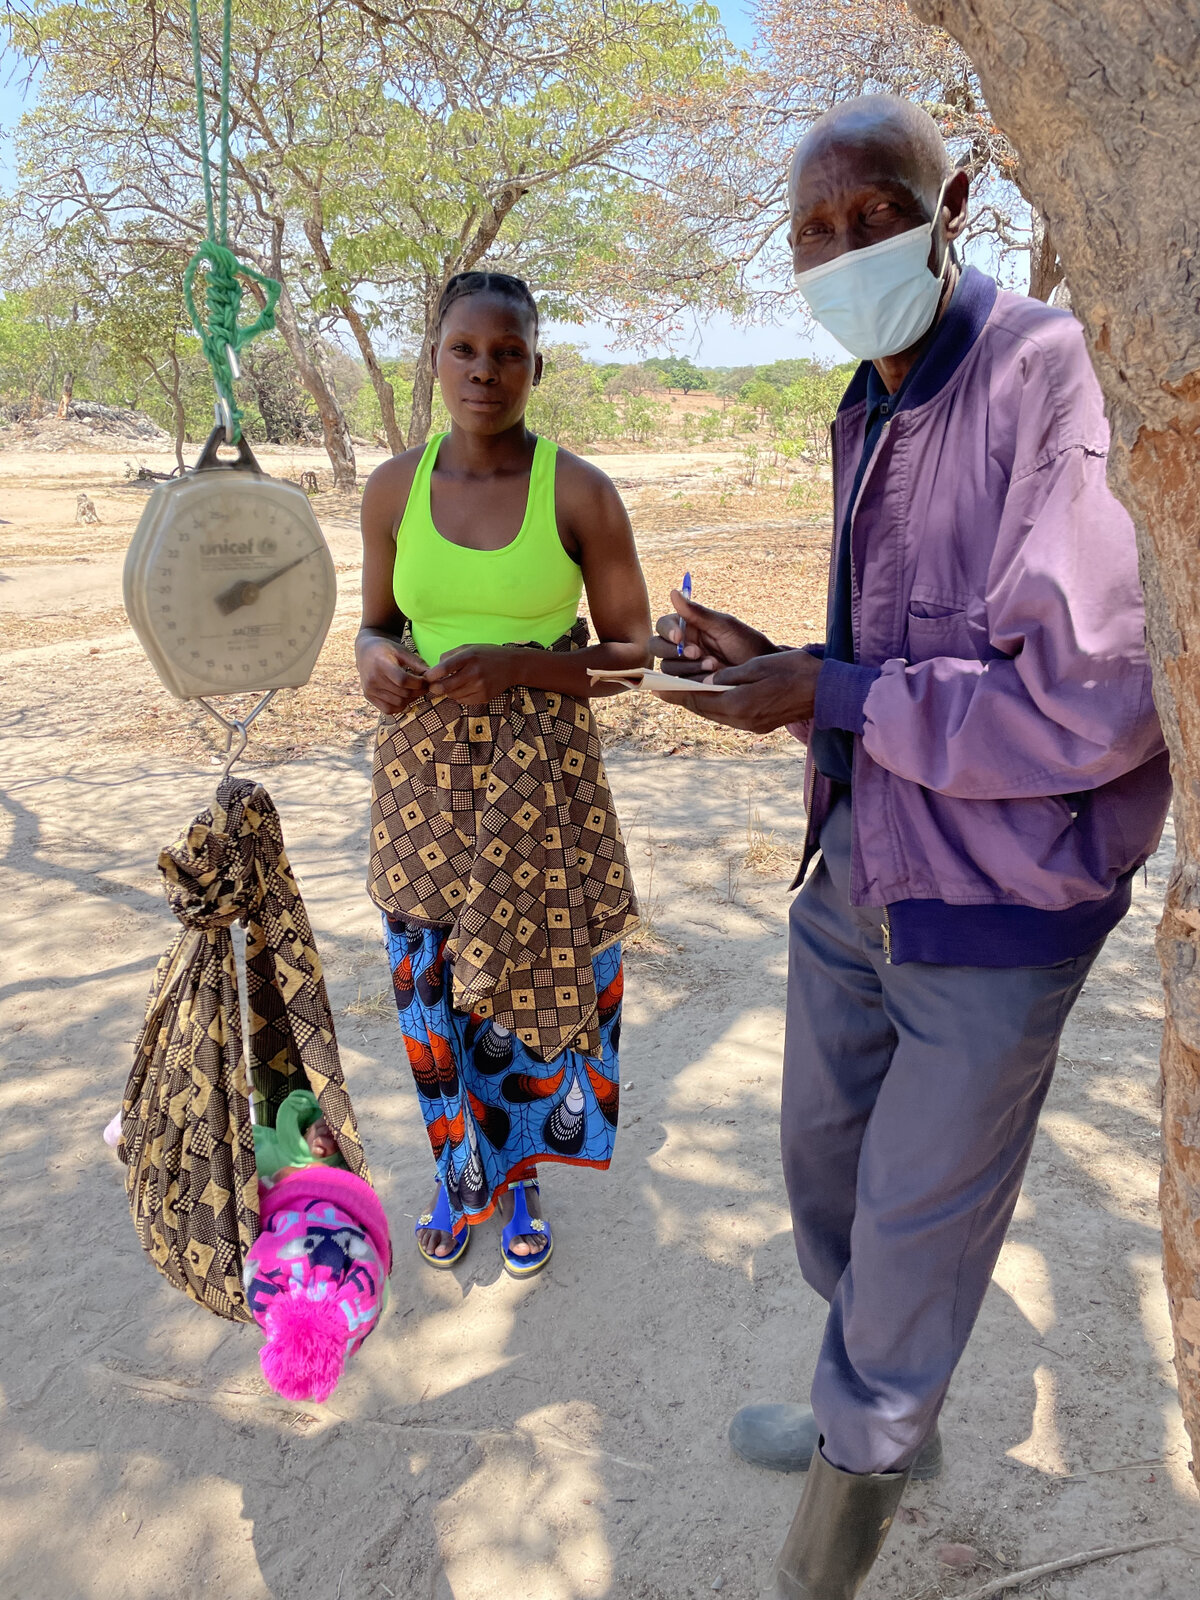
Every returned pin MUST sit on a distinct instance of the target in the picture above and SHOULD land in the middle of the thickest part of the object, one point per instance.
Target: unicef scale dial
(229, 583)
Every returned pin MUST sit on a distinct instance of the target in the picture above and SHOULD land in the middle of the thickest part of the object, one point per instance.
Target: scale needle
(247, 590)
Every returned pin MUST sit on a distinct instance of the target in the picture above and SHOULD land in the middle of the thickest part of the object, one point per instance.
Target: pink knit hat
(316, 1277)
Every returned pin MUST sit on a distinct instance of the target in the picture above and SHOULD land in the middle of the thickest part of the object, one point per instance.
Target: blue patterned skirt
(494, 1112)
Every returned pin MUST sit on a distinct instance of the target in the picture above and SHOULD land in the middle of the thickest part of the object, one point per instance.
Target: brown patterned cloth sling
(186, 1131)
(497, 823)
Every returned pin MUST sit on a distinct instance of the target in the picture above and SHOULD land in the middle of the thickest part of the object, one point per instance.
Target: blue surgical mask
(878, 301)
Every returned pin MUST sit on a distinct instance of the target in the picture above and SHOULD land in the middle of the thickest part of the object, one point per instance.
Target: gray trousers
(910, 1101)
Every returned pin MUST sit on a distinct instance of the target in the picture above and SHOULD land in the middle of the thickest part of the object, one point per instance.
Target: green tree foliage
(33, 360)
(569, 405)
(679, 372)
(375, 156)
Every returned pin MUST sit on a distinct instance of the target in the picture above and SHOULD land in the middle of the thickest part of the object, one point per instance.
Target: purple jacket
(1009, 752)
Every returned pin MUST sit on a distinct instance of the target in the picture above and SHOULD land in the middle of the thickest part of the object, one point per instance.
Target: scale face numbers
(229, 584)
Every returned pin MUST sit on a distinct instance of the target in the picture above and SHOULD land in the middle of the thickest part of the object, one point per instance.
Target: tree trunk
(1099, 98)
(334, 429)
(180, 414)
(386, 395)
(472, 253)
(1045, 269)
(68, 394)
(421, 414)
(384, 392)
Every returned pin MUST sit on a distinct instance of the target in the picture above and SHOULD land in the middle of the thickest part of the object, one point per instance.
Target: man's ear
(955, 202)
(433, 349)
(537, 369)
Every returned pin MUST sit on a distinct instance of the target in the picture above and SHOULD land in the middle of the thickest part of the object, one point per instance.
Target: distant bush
(569, 405)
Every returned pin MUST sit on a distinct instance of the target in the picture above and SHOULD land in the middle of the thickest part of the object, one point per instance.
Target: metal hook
(236, 729)
(223, 418)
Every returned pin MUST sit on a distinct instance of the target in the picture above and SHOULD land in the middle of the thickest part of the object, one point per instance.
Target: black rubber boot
(782, 1438)
(838, 1530)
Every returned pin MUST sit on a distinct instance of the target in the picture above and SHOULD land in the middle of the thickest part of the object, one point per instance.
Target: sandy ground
(500, 1441)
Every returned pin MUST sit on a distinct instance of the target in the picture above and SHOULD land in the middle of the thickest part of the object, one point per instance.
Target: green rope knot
(220, 336)
(219, 331)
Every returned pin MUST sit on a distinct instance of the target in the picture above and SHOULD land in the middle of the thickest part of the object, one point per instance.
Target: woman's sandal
(440, 1220)
(522, 1223)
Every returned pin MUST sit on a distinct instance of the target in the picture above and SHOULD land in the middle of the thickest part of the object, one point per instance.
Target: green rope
(220, 336)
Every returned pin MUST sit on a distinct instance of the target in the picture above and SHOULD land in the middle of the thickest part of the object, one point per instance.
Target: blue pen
(685, 589)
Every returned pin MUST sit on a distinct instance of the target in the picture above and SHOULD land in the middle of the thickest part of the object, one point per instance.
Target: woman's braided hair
(463, 284)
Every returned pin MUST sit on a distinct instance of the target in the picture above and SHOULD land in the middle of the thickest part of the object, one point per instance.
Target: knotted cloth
(497, 822)
(186, 1133)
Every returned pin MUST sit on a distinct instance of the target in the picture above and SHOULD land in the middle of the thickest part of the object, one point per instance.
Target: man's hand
(772, 690)
(392, 678)
(474, 673)
(712, 640)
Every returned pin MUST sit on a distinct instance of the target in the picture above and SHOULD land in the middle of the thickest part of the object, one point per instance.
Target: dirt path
(498, 1441)
(566, 1437)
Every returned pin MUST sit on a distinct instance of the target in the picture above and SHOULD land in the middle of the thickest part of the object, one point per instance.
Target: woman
(495, 852)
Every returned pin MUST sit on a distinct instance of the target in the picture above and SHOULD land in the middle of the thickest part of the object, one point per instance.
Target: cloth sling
(497, 822)
(186, 1133)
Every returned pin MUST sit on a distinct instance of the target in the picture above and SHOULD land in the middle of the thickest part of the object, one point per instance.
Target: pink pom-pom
(305, 1350)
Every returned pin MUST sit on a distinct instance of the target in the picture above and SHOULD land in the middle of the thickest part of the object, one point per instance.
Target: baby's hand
(318, 1136)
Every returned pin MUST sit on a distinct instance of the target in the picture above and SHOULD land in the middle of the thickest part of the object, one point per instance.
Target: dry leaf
(962, 1557)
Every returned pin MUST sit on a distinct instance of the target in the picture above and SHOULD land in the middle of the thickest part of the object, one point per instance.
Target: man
(986, 773)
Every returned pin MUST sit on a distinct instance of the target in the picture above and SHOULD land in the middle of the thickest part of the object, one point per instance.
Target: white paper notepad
(648, 678)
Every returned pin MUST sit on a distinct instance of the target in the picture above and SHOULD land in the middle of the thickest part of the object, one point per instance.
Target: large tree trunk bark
(1045, 270)
(1101, 100)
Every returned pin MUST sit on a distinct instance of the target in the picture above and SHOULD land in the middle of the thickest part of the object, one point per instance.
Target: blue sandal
(440, 1219)
(522, 1223)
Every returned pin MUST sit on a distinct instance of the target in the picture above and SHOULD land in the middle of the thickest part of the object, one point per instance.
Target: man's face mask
(878, 301)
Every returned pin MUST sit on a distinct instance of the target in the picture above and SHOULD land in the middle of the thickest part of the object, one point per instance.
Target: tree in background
(808, 55)
(679, 372)
(1100, 100)
(131, 302)
(366, 174)
(569, 404)
(38, 346)
(112, 140)
(492, 153)
(638, 377)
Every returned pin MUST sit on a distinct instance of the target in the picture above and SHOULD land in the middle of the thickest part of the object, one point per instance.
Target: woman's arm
(392, 678)
(596, 529)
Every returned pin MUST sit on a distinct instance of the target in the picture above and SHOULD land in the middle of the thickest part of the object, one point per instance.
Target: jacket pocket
(938, 628)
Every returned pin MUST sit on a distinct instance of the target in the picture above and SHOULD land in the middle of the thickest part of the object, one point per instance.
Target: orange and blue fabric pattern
(493, 1111)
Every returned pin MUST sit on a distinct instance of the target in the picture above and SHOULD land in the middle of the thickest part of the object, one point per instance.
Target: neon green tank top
(529, 589)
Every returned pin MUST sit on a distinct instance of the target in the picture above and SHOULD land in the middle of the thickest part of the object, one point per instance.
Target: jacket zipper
(885, 927)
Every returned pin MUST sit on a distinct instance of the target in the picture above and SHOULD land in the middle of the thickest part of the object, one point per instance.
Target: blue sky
(717, 342)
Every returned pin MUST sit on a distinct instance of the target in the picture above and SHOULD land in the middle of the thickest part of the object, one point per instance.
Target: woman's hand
(392, 678)
(713, 640)
(474, 673)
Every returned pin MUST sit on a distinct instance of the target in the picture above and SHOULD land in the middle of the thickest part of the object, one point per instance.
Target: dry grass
(764, 854)
(379, 1005)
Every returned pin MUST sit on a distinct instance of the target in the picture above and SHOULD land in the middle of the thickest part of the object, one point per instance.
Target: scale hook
(237, 730)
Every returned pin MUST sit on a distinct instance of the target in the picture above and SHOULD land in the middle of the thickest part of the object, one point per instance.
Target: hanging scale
(228, 583)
